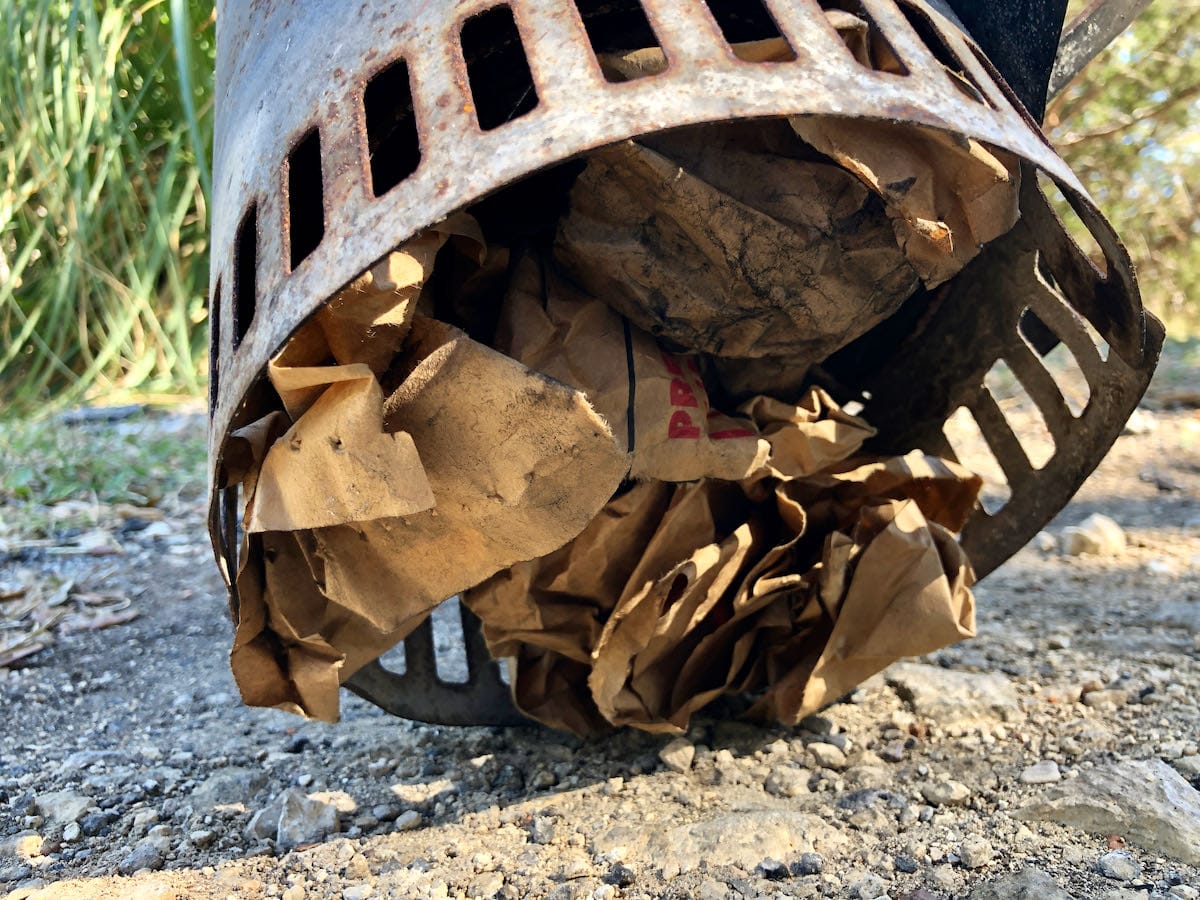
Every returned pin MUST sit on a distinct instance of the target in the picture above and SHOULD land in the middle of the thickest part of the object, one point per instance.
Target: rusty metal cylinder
(343, 131)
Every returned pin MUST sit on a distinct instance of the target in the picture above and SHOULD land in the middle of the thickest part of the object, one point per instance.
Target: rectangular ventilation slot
(1024, 416)
(1064, 369)
(214, 348)
(1082, 237)
(393, 142)
(501, 81)
(751, 31)
(229, 511)
(1100, 343)
(448, 643)
(394, 660)
(245, 282)
(971, 449)
(863, 37)
(615, 28)
(306, 198)
(959, 73)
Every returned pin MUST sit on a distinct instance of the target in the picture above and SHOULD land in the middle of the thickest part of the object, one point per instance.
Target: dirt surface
(1059, 748)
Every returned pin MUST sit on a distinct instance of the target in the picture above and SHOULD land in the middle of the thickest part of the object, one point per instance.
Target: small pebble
(809, 864)
(976, 853)
(1045, 772)
(620, 875)
(1119, 865)
(771, 869)
(143, 856)
(827, 756)
(408, 820)
(946, 793)
(678, 755)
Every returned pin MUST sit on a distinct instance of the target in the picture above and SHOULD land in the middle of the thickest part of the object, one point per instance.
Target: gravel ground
(1055, 755)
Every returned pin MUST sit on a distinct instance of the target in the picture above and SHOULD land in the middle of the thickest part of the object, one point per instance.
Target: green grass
(103, 216)
(55, 477)
(45, 462)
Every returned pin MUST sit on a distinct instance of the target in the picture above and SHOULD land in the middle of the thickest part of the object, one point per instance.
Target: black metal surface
(1088, 34)
(1021, 39)
(941, 364)
(420, 693)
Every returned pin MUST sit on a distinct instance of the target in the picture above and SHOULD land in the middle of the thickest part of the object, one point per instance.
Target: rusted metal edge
(1088, 35)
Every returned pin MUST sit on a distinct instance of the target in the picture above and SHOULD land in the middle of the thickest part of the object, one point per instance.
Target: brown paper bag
(337, 464)
(947, 196)
(655, 401)
(485, 464)
(898, 586)
(688, 235)
(740, 586)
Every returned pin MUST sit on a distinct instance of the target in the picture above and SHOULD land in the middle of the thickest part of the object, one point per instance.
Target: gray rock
(143, 856)
(408, 820)
(787, 781)
(264, 824)
(678, 755)
(1107, 699)
(1140, 423)
(946, 793)
(712, 890)
(827, 756)
(1028, 884)
(620, 876)
(870, 888)
(304, 821)
(1119, 865)
(13, 874)
(906, 864)
(809, 864)
(771, 869)
(976, 853)
(62, 806)
(1045, 772)
(486, 886)
(1184, 892)
(1146, 801)
(1188, 766)
(81, 759)
(228, 787)
(1097, 535)
(733, 839)
(951, 697)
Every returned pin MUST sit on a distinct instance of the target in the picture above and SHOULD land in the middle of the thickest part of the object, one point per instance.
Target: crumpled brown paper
(797, 586)
(369, 510)
(780, 240)
(655, 401)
